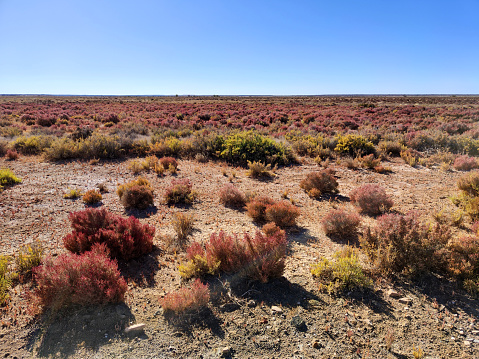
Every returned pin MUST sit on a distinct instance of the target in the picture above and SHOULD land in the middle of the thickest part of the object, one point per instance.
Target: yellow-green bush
(353, 145)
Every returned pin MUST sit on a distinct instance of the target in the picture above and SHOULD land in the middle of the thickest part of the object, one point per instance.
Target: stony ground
(286, 318)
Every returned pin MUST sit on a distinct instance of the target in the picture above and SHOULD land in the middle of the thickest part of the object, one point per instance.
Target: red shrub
(257, 208)
(89, 278)
(371, 199)
(187, 300)
(11, 155)
(230, 196)
(283, 214)
(260, 257)
(168, 162)
(341, 223)
(318, 183)
(464, 256)
(465, 163)
(125, 238)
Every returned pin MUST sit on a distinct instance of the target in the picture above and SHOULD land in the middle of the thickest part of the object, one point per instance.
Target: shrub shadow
(61, 333)
(186, 323)
(300, 235)
(333, 197)
(141, 213)
(142, 270)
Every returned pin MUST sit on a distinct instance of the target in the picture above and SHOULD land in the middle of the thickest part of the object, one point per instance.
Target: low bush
(11, 155)
(469, 183)
(5, 279)
(353, 145)
(183, 226)
(465, 163)
(370, 161)
(319, 183)
(8, 178)
(169, 163)
(186, 300)
(260, 257)
(340, 223)
(283, 214)
(371, 199)
(344, 272)
(259, 170)
(86, 279)
(180, 191)
(464, 257)
(136, 194)
(27, 258)
(411, 157)
(230, 196)
(73, 194)
(32, 145)
(391, 148)
(92, 197)
(239, 148)
(404, 244)
(125, 238)
(256, 208)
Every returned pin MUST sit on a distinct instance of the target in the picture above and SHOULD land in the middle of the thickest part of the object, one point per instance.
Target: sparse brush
(370, 161)
(389, 338)
(319, 183)
(102, 187)
(11, 155)
(5, 279)
(169, 163)
(465, 163)
(28, 257)
(256, 208)
(371, 199)
(136, 194)
(180, 191)
(186, 300)
(411, 157)
(183, 225)
(418, 353)
(135, 166)
(283, 214)
(230, 196)
(92, 197)
(351, 163)
(469, 184)
(73, 194)
(343, 272)
(259, 170)
(340, 223)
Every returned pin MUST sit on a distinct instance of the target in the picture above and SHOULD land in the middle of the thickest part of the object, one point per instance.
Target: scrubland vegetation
(368, 240)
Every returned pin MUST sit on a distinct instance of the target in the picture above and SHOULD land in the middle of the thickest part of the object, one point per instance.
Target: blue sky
(242, 47)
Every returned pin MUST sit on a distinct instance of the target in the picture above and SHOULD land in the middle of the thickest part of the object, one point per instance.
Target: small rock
(405, 300)
(251, 303)
(441, 308)
(461, 332)
(316, 345)
(393, 293)
(314, 303)
(225, 352)
(475, 332)
(298, 323)
(135, 328)
(453, 338)
(467, 343)
(476, 341)
(276, 309)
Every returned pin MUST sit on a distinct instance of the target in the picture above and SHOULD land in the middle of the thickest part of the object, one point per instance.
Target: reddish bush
(260, 257)
(318, 183)
(283, 214)
(187, 300)
(230, 196)
(404, 244)
(341, 223)
(371, 199)
(256, 208)
(140, 197)
(464, 257)
(125, 238)
(89, 278)
(11, 155)
(180, 191)
(465, 163)
(168, 162)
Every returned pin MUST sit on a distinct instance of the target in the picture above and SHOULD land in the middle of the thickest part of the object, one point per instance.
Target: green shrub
(5, 279)
(32, 145)
(354, 145)
(28, 257)
(343, 272)
(73, 194)
(242, 147)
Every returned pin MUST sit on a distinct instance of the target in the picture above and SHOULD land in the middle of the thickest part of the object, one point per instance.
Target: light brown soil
(441, 319)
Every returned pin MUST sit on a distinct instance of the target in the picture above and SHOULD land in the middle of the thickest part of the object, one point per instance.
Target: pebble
(251, 303)
(393, 293)
(298, 323)
(276, 309)
(467, 343)
(135, 328)
(405, 300)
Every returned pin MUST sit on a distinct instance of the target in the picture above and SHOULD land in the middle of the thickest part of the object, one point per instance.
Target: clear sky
(239, 47)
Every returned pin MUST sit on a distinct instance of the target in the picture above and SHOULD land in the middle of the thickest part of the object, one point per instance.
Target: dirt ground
(285, 318)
